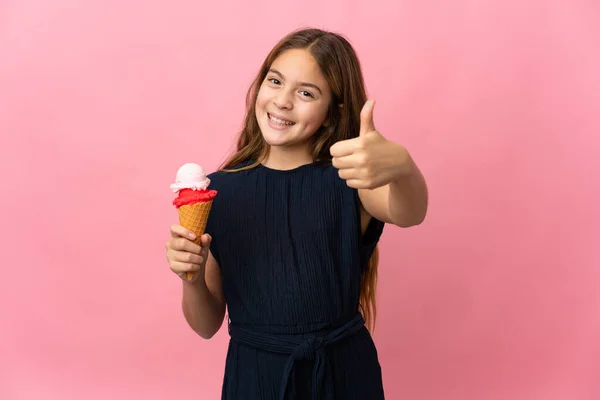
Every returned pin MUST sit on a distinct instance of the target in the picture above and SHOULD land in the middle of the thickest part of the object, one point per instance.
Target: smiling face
(292, 102)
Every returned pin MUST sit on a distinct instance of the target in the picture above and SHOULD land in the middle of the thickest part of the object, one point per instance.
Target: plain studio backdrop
(495, 296)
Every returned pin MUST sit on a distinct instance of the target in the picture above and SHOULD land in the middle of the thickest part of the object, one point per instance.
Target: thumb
(366, 117)
(206, 239)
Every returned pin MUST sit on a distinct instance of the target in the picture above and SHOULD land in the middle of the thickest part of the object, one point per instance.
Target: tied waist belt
(310, 348)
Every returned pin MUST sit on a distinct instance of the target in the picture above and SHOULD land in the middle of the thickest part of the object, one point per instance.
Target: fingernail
(192, 235)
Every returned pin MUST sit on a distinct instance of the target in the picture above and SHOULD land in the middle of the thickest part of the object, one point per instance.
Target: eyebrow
(312, 85)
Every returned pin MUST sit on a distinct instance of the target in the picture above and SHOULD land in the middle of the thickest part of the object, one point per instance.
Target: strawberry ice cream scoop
(190, 176)
(189, 197)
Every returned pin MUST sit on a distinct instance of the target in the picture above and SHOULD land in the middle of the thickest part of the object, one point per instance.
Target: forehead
(300, 66)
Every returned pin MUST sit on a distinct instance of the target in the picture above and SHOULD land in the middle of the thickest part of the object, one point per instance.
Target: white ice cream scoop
(190, 176)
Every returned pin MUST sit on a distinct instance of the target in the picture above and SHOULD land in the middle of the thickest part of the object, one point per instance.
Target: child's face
(293, 100)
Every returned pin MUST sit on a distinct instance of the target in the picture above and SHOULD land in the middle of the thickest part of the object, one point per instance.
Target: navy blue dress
(291, 252)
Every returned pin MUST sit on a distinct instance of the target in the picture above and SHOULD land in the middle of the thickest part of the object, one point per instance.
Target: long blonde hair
(341, 68)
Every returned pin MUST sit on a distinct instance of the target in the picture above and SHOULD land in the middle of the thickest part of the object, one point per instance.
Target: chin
(272, 136)
(271, 139)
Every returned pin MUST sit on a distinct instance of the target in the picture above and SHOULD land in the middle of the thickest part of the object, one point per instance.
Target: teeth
(280, 121)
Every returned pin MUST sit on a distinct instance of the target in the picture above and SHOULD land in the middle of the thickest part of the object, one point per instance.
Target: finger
(357, 184)
(348, 174)
(366, 117)
(180, 231)
(185, 257)
(350, 161)
(205, 241)
(344, 147)
(181, 267)
(183, 244)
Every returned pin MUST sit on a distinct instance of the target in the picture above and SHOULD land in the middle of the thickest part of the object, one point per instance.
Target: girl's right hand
(184, 255)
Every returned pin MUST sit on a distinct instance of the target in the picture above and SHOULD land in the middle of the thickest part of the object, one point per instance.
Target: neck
(284, 159)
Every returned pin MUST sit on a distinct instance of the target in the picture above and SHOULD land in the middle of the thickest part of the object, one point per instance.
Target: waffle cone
(194, 218)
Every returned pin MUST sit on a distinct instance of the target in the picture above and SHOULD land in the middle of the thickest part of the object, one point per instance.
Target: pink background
(496, 296)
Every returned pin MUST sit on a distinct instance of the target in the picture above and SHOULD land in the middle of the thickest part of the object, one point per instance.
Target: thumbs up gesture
(369, 160)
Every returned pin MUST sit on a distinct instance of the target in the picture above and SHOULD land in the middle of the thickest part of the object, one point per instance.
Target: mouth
(280, 121)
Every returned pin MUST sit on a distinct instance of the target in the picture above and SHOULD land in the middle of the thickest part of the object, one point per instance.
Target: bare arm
(390, 185)
(402, 202)
(203, 302)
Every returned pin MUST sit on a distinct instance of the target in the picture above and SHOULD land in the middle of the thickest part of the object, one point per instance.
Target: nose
(283, 100)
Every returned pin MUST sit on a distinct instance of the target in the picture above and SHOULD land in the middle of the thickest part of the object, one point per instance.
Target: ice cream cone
(194, 200)
(194, 217)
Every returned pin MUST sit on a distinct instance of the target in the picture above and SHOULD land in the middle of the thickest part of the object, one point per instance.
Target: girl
(290, 247)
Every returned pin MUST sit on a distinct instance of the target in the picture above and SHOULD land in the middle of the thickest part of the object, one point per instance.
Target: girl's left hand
(370, 160)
